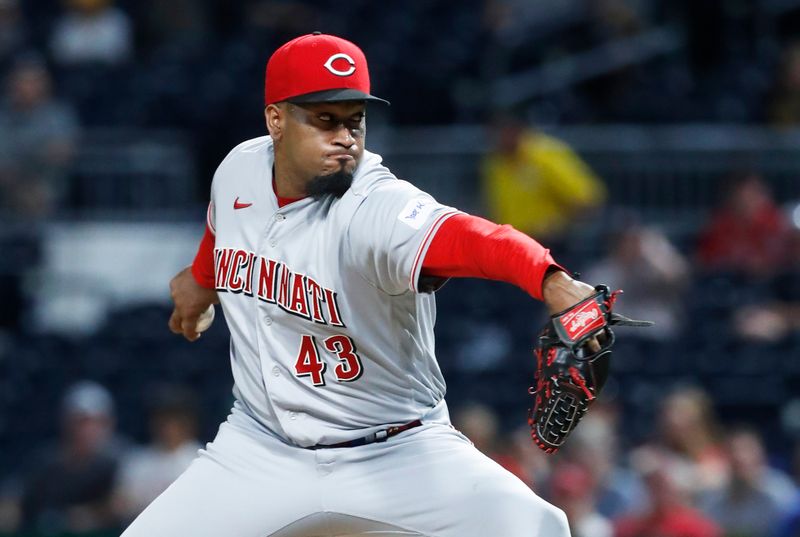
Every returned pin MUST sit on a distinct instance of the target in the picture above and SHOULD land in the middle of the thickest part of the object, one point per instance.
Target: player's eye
(325, 117)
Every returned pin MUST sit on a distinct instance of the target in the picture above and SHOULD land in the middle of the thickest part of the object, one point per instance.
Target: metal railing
(133, 171)
(668, 175)
(671, 175)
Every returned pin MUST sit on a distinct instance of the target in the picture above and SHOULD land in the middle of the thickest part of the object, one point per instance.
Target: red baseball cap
(317, 68)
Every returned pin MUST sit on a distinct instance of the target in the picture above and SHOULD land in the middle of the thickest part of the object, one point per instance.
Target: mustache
(336, 183)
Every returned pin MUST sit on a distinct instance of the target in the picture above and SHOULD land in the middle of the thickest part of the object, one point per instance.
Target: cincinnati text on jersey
(237, 271)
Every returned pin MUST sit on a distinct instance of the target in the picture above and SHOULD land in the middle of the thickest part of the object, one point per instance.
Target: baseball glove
(569, 376)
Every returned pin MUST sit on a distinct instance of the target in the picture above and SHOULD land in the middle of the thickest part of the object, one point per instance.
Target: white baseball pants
(429, 481)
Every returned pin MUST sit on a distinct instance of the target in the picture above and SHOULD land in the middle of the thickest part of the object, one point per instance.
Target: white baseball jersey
(329, 339)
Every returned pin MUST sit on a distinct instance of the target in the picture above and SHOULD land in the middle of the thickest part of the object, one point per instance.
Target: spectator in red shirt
(748, 233)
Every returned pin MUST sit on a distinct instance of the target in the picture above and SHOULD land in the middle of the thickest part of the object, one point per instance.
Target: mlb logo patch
(416, 211)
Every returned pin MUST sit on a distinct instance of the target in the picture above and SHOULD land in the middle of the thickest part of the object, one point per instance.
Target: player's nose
(343, 137)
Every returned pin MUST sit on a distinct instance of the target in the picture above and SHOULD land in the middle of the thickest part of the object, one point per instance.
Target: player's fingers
(188, 329)
(593, 345)
(175, 323)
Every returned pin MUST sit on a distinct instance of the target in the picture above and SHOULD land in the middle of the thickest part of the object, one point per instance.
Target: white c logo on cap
(343, 56)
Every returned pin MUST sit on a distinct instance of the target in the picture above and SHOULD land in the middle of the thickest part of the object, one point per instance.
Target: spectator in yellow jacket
(537, 183)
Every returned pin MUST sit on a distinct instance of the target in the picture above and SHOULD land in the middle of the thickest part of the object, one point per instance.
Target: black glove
(569, 376)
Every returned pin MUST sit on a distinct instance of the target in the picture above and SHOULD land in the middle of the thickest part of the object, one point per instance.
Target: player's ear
(274, 116)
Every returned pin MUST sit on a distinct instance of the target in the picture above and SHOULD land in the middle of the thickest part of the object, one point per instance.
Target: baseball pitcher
(325, 265)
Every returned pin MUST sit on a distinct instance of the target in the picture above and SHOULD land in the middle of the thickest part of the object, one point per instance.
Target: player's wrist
(560, 291)
(555, 280)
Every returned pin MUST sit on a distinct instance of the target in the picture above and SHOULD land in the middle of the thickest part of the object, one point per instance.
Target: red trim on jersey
(208, 220)
(469, 246)
(203, 264)
(424, 244)
(282, 202)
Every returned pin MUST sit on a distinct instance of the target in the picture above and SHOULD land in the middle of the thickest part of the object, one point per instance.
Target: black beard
(336, 183)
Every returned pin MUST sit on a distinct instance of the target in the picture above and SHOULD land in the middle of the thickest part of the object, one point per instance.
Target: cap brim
(336, 95)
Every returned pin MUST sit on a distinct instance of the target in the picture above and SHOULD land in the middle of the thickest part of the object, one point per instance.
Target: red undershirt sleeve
(203, 264)
(469, 246)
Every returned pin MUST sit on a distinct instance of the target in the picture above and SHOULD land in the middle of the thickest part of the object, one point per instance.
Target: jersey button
(268, 320)
(273, 243)
(276, 372)
(280, 217)
(292, 415)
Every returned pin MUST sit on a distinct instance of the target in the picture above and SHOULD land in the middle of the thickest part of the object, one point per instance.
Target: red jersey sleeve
(470, 246)
(203, 264)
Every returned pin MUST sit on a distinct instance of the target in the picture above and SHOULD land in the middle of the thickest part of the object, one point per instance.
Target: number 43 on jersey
(309, 363)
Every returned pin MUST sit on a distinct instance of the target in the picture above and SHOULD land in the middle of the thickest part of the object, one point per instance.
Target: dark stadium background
(665, 101)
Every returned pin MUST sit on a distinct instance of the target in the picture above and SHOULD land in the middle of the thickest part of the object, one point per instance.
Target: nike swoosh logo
(237, 205)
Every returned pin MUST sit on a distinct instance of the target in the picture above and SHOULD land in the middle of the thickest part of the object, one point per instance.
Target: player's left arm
(470, 246)
(400, 238)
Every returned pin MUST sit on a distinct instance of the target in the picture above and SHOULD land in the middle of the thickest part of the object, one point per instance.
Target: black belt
(377, 436)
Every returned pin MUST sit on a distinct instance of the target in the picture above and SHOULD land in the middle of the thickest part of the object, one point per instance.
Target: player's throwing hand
(191, 300)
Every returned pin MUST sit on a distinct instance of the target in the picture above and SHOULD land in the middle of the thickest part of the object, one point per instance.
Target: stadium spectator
(572, 489)
(689, 440)
(147, 472)
(70, 485)
(92, 32)
(756, 496)
(668, 513)
(595, 446)
(38, 136)
(748, 233)
(537, 183)
(654, 275)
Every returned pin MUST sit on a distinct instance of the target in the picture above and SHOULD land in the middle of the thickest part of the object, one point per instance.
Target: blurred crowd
(197, 66)
(691, 478)
(664, 459)
(688, 475)
(541, 186)
(92, 478)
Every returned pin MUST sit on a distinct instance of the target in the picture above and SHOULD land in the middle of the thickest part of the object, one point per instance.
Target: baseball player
(325, 266)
